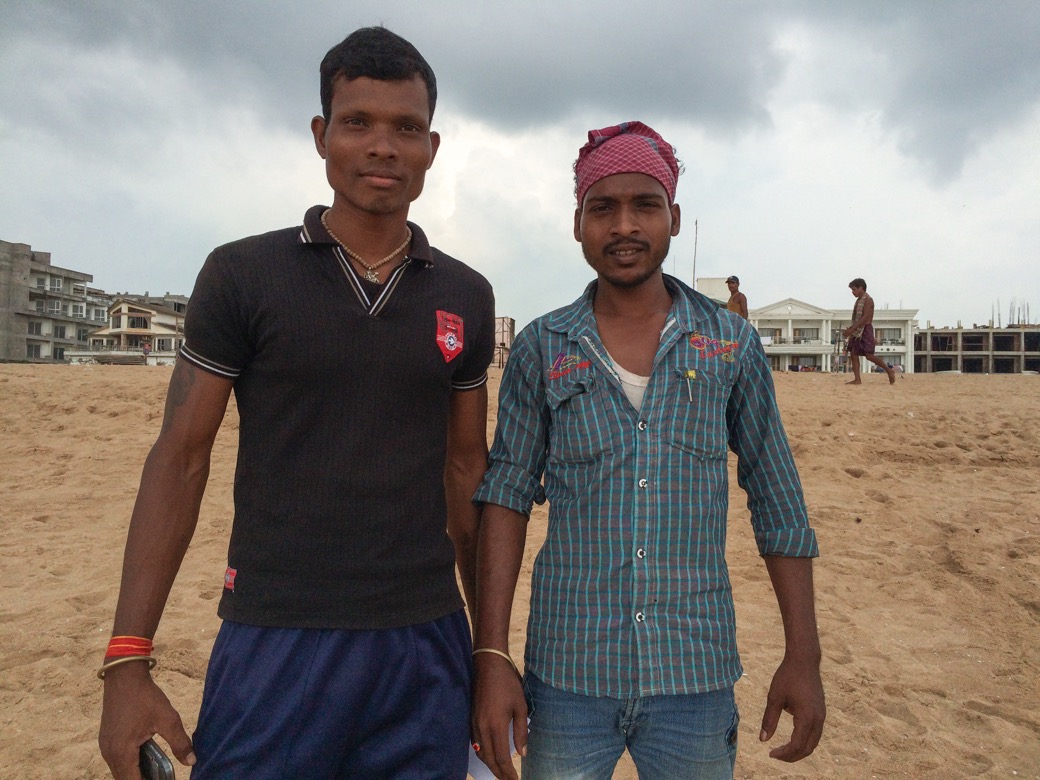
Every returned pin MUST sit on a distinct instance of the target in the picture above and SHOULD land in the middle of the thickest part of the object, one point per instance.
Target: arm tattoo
(180, 386)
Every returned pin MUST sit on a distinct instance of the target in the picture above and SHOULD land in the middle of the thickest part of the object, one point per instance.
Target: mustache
(627, 243)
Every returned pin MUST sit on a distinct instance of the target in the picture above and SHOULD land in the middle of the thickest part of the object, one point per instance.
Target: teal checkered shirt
(630, 593)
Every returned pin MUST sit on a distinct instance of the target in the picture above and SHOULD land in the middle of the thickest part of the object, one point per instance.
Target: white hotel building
(800, 336)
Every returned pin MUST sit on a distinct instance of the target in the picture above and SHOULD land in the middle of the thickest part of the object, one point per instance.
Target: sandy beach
(925, 496)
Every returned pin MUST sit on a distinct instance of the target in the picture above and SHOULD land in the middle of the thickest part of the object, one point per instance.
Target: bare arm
(865, 318)
(742, 300)
(796, 686)
(162, 524)
(498, 697)
(464, 468)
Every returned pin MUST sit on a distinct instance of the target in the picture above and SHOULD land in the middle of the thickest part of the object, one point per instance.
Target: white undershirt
(633, 384)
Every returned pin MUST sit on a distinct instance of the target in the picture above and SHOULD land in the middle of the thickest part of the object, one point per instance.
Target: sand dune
(925, 497)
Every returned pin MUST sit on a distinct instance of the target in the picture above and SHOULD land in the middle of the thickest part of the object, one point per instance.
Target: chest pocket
(698, 417)
(576, 408)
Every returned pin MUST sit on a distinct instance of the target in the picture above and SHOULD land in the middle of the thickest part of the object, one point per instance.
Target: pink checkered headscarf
(630, 147)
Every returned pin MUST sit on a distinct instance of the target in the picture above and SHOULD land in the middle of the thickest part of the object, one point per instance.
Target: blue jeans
(575, 737)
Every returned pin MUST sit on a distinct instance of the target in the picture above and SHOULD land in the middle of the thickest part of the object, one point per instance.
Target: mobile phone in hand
(154, 764)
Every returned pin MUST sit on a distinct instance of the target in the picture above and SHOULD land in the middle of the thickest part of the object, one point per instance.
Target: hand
(498, 699)
(134, 710)
(797, 689)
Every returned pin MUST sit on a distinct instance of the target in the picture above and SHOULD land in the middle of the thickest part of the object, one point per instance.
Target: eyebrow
(637, 196)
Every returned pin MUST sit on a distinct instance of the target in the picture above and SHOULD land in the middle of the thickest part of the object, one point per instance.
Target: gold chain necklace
(370, 270)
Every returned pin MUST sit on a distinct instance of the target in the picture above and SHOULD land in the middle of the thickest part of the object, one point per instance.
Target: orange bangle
(122, 646)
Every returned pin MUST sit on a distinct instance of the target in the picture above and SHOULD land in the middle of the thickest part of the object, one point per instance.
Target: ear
(676, 219)
(577, 224)
(318, 131)
(435, 144)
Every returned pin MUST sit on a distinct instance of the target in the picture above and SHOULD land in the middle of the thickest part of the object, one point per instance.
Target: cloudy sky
(898, 141)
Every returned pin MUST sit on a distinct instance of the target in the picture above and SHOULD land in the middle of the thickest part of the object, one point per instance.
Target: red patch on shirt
(449, 335)
(709, 347)
(229, 578)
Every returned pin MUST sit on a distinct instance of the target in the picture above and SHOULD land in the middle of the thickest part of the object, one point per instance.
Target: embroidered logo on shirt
(229, 578)
(449, 334)
(709, 347)
(564, 364)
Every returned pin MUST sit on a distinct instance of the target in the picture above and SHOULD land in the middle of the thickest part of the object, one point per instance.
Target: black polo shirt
(343, 392)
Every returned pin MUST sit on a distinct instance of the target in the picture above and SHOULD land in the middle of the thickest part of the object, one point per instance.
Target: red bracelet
(122, 646)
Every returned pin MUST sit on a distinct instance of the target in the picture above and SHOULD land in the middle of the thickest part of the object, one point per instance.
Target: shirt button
(643, 483)
(641, 425)
(640, 553)
(640, 617)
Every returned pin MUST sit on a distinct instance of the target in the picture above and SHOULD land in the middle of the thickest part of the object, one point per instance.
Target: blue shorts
(316, 703)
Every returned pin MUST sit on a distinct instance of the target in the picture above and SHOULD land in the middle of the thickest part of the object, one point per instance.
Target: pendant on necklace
(371, 276)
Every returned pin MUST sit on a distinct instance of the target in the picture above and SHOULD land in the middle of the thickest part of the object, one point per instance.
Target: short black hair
(857, 282)
(375, 53)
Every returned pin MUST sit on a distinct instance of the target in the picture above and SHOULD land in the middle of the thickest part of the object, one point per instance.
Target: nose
(382, 142)
(625, 222)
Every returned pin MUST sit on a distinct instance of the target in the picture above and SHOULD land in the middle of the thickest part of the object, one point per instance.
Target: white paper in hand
(478, 769)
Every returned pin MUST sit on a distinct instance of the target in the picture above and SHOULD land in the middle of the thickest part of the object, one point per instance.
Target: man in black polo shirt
(358, 356)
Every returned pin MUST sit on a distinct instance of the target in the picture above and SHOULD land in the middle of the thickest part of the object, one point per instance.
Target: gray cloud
(134, 136)
(951, 74)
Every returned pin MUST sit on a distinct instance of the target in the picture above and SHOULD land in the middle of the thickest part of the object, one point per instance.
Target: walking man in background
(860, 334)
(737, 300)
(625, 403)
(345, 649)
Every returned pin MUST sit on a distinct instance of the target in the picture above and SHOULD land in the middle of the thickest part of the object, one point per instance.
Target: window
(54, 307)
(35, 328)
(79, 309)
(59, 331)
(973, 342)
(1004, 342)
(889, 335)
(81, 334)
(117, 320)
(58, 353)
(806, 334)
(39, 306)
(41, 283)
(32, 350)
(137, 322)
(79, 289)
(100, 315)
(56, 284)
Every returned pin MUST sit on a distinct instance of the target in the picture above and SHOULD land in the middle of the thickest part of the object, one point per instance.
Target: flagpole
(694, 280)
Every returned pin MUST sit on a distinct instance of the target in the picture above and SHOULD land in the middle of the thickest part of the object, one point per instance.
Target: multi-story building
(1011, 350)
(505, 332)
(138, 332)
(800, 336)
(179, 303)
(45, 310)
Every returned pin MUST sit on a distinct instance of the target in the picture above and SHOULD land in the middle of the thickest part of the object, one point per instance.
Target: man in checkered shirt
(619, 410)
